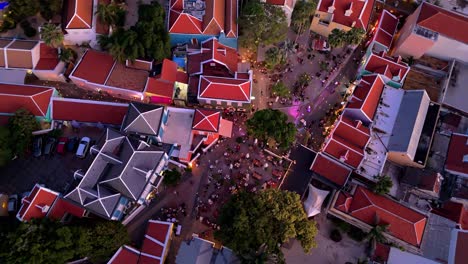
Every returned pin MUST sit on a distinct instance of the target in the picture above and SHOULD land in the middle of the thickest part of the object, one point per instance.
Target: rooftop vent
(349, 11)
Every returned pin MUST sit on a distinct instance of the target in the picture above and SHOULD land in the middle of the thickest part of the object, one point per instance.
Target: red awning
(160, 100)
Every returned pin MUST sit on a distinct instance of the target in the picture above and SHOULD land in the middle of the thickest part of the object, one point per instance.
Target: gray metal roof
(226, 256)
(143, 119)
(195, 251)
(409, 122)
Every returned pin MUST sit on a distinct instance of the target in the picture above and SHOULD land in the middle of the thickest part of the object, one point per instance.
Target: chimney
(44, 208)
(345, 157)
(331, 8)
(353, 24)
(358, 123)
(349, 11)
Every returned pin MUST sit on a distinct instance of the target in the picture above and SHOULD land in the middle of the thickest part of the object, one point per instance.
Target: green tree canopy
(21, 126)
(261, 24)
(112, 14)
(49, 8)
(337, 38)
(274, 57)
(48, 242)
(281, 90)
(171, 177)
(383, 185)
(272, 124)
(355, 36)
(52, 35)
(253, 221)
(6, 153)
(300, 18)
(21, 9)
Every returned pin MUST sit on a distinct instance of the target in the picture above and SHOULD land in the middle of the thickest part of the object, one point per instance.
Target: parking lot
(55, 171)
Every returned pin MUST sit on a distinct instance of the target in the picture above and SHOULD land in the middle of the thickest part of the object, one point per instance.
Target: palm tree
(288, 48)
(67, 55)
(123, 45)
(109, 14)
(52, 35)
(355, 36)
(336, 38)
(383, 185)
(376, 235)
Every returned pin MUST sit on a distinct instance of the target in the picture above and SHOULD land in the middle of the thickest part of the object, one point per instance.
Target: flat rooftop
(457, 92)
(299, 175)
(127, 78)
(375, 155)
(178, 129)
(387, 112)
(417, 80)
(427, 134)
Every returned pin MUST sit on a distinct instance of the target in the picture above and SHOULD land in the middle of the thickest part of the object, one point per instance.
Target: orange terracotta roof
(94, 67)
(80, 14)
(360, 16)
(231, 18)
(36, 204)
(88, 111)
(48, 58)
(160, 87)
(62, 207)
(366, 96)
(184, 23)
(213, 20)
(392, 67)
(331, 169)
(35, 99)
(403, 222)
(212, 52)
(206, 120)
(457, 150)
(125, 255)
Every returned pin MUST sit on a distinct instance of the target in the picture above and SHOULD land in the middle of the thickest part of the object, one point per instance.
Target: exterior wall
(357, 114)
(53, 75)
(325, 30)
(116, 92)
(405, 31)
(403, 159)
(36, 54)
(448, 49)
(414, 45)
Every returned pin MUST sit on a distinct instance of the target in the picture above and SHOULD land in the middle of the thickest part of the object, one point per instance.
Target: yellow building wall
(322, 29)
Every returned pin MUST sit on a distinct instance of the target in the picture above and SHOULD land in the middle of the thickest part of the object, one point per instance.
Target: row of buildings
(403, 118)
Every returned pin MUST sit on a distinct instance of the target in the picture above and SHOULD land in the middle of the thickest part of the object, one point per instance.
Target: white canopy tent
(315, 198)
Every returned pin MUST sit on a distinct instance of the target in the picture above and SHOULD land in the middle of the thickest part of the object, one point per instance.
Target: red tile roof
(213, 20)
(450, 24)
(457, 150)
(343, 201)
(404, 223)
(125, 255)
(62, 207)
(461, 248)
(184, 23)
(231, 18)
(163, 84)
(36, 204)
(455, 212)
(388, 66)
(354, 132)
(386, 28)
(88, 111)
(160, 87)
(48, 58)
(366, 96)
(229, 89)
(80, 14)
(168, 71)
(94, 67)
(35, 99)
(212, 51)
(206, 120)
(342, 151)
(331, 169)
(361, 11)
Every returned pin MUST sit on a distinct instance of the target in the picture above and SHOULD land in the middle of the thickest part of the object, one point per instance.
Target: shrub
(30, 32)
(356, 234)
(335, 235)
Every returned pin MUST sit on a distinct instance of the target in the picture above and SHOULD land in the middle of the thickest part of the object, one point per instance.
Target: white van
(83, 147)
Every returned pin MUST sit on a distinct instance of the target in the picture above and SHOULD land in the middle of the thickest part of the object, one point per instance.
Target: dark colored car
(37, 147)
(49, 147)
(62, 142)
(71, 145)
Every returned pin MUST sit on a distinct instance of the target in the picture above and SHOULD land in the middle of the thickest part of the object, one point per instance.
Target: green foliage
(147, 39)
(272, 124)
(274, 57)
(261, 24)
(27, 29)
(50, 8)
(355, 36)
(383, 185)
(303, 80)
(300, 18)
(67, 55)
(337, 38)
(21, 126)
(171, 177)
(6, 153)
(281, 90)
(21, 9)
(112, 14)
(48, 242)
(8, 23)
(260, 222)
(52, 35)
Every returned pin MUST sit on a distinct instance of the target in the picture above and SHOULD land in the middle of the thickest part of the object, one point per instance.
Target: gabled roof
(226, 89)
(36, 204)
(94, 67)
(88, 111)
(212, 51)
(183, 23)
(62, 207)
(206, 120)
(456, 212)
(48, 58)
(393, 68)
(231, 18)
(366, 95)
(35, 99)
(386, 29)
(331, 169)
(456, 153)
(79, 14)
(143, 119)
(125, 255)
(213, 21)
(163, 84)
(404, 223)
(458, 251)
(360, 16)
(448, 23)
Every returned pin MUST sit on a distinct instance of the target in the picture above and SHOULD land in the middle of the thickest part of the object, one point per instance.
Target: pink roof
(386, 65)
(330, 169)
(35, 99)
(386, 28)
(206, 120)
(87, 68)
(62, 207)
(212, 51)
(404, 223)
(367, 94)
(36, 204)
(450, 24)
(224, 89)
(458, 149)
(361, 11)
(88, 111)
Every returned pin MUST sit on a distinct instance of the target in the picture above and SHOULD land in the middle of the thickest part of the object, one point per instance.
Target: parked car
(37, 147)
(13, 203)
(83, 147)
(72, 144)
(49, 147)
(62, 142)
